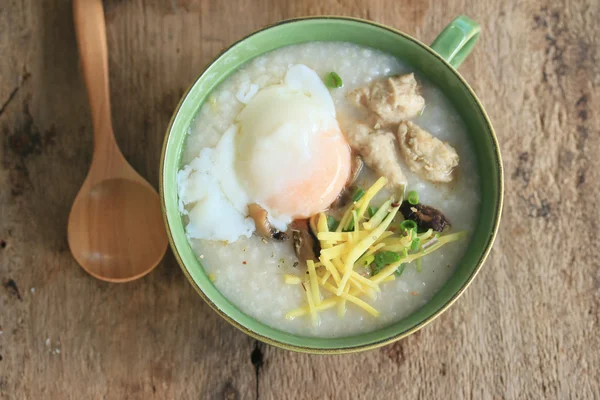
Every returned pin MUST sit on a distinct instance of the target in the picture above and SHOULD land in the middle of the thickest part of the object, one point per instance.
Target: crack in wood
(14, 92)
(257, 359)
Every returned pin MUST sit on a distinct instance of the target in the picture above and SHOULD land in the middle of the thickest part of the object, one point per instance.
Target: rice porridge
(252, 271)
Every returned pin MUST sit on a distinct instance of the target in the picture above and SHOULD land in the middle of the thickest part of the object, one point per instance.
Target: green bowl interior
(378, 37)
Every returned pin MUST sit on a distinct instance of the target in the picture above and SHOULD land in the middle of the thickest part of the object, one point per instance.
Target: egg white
(218, 205)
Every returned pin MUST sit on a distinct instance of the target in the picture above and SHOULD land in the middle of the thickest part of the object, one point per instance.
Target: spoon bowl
(111, 232)
(115, 231)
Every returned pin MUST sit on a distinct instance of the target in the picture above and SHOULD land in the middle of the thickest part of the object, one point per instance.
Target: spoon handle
(90, 29)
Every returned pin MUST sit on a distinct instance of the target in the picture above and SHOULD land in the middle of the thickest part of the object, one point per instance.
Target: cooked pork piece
(378, 150)
(426, 155)
(393, 99)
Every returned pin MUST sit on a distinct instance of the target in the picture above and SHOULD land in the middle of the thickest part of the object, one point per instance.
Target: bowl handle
(457, 40)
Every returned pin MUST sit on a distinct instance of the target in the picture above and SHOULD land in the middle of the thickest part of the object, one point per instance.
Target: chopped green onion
(387, 257)
(333, 80)
(421, 112)
(382, 259)
(415, 244)
(413, 197)
(372, 210)
(350, 226)
(358, 194)
(367, 260)
(400, 270)
(419, 265)
(332, 223)
(404, 253)
(408, 225)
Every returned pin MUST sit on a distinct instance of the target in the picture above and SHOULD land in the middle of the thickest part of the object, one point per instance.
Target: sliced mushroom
(343, 198)
(279, 235)
(313, 223)
(306, 244)
(356, 168)
(263, 226)
(426, 217)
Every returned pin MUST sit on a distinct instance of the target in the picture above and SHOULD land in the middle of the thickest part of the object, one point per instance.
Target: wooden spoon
(116, 230)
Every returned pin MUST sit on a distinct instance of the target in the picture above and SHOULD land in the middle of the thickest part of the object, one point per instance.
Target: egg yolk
(322, 183)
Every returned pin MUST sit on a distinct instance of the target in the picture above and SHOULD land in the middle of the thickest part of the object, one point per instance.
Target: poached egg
(285, 152)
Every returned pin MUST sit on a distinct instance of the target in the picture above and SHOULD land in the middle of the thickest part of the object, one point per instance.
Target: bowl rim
(375, 344)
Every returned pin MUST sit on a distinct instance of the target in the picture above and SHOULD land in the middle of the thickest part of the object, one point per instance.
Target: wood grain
(527, 327)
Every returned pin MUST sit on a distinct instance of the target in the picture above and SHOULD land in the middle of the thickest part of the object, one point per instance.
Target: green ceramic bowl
(438, 63)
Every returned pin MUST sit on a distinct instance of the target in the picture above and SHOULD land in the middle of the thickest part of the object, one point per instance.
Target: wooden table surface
(528, 327)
